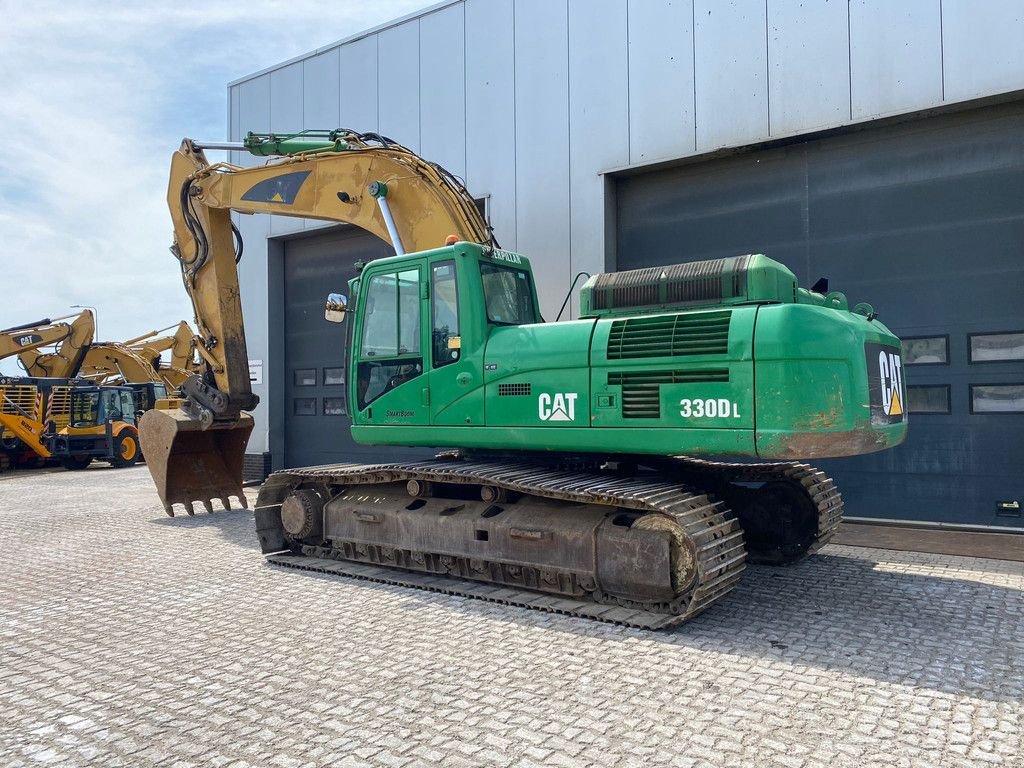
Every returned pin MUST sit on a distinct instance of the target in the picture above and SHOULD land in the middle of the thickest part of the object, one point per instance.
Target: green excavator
(623, 466)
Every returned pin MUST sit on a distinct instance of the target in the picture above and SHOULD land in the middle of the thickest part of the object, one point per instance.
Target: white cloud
(96, 98)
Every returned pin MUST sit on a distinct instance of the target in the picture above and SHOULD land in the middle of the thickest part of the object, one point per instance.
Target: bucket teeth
(169, 509)
(190, 463)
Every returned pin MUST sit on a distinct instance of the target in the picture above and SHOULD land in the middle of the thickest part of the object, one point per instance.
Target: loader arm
(361, 179)
(110, 363)
(182, 346)
(27, 340)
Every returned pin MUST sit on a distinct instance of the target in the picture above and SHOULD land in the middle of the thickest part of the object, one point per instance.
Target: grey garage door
(924, 220)
(316, 427)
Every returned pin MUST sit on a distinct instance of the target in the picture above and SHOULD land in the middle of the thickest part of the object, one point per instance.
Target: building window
(995, 347)
(334, 376)
(305, 406)
(926, 350)
(334, 406)
(997, 398)
(928, 398)
(305, 377)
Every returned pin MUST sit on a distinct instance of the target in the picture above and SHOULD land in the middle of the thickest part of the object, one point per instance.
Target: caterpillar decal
(888, 393)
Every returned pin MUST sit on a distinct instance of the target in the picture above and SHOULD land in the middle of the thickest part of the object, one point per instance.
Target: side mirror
(335, 308)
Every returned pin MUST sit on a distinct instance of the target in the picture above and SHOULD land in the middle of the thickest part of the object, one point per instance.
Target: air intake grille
(513, 390)
(641, 390)
(696, 282)
(706, 333)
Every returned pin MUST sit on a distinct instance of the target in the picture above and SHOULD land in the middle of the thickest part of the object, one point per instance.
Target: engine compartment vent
(513, 390)
(641, 390)
(703, 333)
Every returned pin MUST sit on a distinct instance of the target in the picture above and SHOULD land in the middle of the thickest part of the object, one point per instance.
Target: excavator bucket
(189, 463)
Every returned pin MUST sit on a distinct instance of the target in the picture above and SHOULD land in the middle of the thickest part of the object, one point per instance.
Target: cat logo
(558, 407)
(885, 381)
(890, 371)
(277, 189)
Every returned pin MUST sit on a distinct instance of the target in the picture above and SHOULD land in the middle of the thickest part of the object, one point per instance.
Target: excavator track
(706, 538)
(814, 492)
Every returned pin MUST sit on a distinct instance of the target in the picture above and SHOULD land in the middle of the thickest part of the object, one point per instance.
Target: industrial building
(875, 143)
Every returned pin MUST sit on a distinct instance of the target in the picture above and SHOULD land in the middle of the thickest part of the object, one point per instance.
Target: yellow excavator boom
(181, 344)
(28, 342)
(194, 446)
(113, 363)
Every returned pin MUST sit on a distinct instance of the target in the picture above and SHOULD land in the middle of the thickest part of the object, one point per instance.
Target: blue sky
(96, 97)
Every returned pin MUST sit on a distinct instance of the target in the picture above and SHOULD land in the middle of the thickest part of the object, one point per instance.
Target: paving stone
(129, 638)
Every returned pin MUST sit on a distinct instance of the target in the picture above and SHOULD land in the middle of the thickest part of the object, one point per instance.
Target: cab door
(455, 356)
(389, 369)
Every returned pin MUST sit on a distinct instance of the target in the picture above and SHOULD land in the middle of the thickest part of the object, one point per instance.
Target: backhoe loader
(580, 467)
(68, 343)
(99, 422)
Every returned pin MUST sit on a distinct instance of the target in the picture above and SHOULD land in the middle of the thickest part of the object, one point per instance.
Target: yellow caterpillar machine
(182, 347)
(73, 422)
(581, 473)
(71, 342)
(59, 344)
(64, 360)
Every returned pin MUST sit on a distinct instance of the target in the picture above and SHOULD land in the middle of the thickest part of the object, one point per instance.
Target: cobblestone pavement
(128, 638)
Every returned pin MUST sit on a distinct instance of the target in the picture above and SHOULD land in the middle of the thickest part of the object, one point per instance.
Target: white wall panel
(233, 121)
(542, 144)
(254, 289)
(808, 65)
(286, 117)
(598, 123)
(443, 91)
(895, 56)
(286, 99)
(983, 47)
(661, 116)
(398, 83)
(321, 91)
(731, 72)
(359, 84)
(254, 115)
(233, 102)
(253, 111)
(490, 112)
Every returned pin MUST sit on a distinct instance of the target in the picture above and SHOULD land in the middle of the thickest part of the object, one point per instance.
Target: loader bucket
(189, 463)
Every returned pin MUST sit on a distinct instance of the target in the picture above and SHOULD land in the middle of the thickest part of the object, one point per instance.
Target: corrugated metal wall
(532, 99)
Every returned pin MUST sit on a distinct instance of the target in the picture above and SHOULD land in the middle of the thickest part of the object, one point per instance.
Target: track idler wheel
(779, 522)
(302, 514)
(683, 556)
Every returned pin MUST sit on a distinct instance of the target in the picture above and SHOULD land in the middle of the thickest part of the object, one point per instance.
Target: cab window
(390, 350)
(446, 342)
(84, 406)
(392, 323)
(507, 295)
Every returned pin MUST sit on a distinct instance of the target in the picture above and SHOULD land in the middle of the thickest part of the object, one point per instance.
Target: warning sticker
(885, 380)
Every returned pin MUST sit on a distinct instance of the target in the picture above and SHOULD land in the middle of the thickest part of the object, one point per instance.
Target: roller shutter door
(316, 427)
(924, 220)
